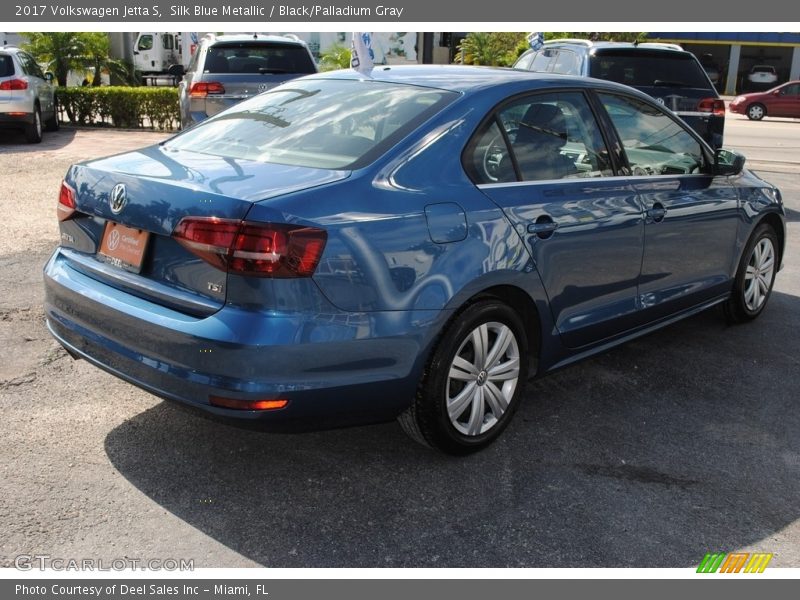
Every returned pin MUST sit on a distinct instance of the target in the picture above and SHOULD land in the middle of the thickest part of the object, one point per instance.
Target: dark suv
(672, 76)
(230, 68)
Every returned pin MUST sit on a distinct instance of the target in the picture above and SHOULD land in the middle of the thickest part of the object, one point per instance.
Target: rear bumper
(335, 369)
(17, 119)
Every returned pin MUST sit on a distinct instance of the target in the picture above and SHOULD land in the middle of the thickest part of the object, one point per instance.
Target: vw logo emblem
(660, 101)
(118, 198)
(113, 240)
(262, 87)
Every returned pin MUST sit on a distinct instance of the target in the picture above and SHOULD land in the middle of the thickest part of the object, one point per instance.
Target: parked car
(230, 68)
(781, 101)
(27, 95)
(412, 244)
(672, 76)
(761, 77)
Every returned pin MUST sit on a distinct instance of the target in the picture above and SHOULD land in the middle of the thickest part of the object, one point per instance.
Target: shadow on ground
(12, 140)
(651, 455)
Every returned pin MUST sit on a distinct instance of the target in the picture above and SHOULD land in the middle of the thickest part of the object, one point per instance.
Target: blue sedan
(414, 244)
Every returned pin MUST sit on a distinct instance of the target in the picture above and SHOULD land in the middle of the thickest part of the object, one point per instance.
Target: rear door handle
(543, 227)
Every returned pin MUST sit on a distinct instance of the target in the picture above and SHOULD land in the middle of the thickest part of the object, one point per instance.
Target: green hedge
(130, 107)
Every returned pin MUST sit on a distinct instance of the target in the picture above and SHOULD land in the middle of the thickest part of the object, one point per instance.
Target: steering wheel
(496, 159)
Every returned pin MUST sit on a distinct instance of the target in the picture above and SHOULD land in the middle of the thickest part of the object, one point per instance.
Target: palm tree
(61, 51)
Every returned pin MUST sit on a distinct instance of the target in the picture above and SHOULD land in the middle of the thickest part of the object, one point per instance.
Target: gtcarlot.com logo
(735, 562)
(30, 562)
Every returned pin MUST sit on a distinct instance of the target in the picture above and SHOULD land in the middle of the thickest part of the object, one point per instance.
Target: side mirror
(727, 162)
(777, 92)
(48, 76)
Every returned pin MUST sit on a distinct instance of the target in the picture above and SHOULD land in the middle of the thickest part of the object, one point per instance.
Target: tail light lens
(201, 89)
(66, 202)
(247, 248)
(14, 84)
(715, 106)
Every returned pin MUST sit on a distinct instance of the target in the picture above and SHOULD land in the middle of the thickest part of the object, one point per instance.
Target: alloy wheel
(483, 376)
(759, 274)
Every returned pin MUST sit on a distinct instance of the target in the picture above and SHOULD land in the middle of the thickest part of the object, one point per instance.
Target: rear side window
(246, 57)
(328, 124)
(6, 65)
(649, 69)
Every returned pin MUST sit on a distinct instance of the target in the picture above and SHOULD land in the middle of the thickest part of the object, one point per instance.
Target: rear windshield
(327, 123)
(649, 69)
(6, 65)
(261, 57)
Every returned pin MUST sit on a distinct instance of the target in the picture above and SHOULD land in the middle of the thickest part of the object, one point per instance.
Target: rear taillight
(249, 248)
(201, 89)
(715, 106)
(14, 84)
(66, 202)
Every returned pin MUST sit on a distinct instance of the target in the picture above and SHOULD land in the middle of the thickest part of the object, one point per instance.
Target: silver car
(230, 68)
(27, 96)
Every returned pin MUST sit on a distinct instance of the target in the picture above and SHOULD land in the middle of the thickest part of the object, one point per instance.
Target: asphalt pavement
(679, 443)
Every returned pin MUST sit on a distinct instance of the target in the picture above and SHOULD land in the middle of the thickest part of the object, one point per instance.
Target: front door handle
(543, 227)
(657, 212)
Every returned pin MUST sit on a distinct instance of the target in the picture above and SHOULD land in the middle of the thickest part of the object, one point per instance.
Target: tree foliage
(497, 49)
(65, 51)
(336, 57)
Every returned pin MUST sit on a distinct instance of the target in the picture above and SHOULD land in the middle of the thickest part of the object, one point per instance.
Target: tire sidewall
(434, 391)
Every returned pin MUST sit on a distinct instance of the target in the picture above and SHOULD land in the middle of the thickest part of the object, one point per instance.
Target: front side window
(654, 143)
(145, 43)
(791, 90)
(323, 123)
(544, 137)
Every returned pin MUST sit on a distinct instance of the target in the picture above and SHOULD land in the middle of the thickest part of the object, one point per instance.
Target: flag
(363, 57)
(536, 40)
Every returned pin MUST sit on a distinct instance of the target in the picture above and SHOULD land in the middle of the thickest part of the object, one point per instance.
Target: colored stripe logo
(734, 562)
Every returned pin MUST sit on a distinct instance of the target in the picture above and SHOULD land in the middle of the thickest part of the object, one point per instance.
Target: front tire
(473, 381)
(756, 112)
(33, 132)
(755, 276)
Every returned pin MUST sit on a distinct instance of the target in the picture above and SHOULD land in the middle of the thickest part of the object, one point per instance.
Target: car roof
(469, 79)
(255, 38)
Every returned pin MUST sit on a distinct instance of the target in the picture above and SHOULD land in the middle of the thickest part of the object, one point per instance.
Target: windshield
(329, 124)
(649, 69)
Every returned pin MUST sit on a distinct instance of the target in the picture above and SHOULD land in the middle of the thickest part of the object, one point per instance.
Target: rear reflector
(248, 248)
(715, 106)
(247, 404)
(14, 84)
(201, 89)
(66, 202)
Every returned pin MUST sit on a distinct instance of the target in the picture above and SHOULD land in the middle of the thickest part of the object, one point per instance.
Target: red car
(781, 101)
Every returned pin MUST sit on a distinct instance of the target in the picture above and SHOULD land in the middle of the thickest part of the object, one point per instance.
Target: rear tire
(53, 124)
(33, 132)
(756, 112)
(755, 276)
(473, 381)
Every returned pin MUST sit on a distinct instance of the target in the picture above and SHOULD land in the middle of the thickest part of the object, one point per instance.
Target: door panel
(544, 161)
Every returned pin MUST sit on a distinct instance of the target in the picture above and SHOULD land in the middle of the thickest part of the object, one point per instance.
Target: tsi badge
(118, 198)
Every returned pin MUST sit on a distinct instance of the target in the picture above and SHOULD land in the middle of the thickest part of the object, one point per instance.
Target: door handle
(657, 212)
(543, 227)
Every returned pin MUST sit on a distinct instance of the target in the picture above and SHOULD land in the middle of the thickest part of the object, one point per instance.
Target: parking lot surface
(680, 443)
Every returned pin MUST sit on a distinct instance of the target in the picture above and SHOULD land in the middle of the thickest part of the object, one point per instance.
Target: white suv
(27, 96)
